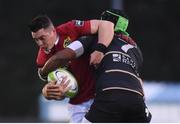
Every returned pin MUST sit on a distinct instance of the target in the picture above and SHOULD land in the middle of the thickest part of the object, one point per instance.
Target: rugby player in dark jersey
(119, 88)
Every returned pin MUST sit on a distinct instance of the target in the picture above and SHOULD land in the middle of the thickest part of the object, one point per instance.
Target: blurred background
(153, 24)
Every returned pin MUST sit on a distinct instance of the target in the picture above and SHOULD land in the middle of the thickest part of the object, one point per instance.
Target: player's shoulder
(65, 27)
(73, 23)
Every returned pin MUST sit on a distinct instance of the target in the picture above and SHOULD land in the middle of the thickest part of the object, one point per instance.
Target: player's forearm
(60, 59)
(105, 30)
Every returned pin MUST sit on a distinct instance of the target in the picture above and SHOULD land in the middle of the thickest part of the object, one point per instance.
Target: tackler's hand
(96, 57)
(98, 54)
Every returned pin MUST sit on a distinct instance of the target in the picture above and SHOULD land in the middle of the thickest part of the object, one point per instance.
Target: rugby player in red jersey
(52, 39)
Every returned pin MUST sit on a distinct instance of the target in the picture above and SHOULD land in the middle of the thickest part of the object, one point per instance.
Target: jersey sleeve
(88, 43)
(84, 45)
(76, 28)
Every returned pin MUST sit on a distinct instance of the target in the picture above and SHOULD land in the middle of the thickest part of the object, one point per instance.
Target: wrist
(100, 47)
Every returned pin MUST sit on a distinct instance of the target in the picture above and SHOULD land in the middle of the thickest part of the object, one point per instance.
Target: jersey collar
(57, 40)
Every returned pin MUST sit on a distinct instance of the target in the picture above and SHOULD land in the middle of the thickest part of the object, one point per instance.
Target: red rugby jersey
(80, 68)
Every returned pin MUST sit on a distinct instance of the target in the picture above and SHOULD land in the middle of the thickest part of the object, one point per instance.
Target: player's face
(45, 38)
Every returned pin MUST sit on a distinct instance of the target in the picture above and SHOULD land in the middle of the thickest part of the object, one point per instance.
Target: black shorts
(114, 106)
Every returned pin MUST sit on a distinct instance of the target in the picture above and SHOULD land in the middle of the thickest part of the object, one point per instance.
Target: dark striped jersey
(120, 67)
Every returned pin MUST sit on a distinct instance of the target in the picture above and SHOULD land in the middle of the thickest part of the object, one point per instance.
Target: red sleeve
(75, 27)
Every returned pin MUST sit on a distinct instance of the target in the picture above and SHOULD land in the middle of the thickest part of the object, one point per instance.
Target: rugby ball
(58, 75)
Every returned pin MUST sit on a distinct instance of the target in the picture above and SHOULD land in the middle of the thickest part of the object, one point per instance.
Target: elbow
(108, 23)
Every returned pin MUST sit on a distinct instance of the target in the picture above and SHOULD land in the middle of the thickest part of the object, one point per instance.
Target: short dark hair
(40, 21)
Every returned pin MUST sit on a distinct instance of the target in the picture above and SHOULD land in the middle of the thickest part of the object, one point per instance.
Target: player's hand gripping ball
(58, 75)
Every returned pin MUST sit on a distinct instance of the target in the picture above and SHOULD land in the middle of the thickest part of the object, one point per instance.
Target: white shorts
(77, 112)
